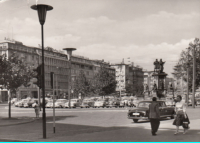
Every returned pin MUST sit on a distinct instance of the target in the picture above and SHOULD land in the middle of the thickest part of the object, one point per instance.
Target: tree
(104, 82)
(81, 84)
(186, 61)
(13, 74)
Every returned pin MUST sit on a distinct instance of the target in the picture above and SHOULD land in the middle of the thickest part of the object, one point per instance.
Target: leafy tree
(81, 84)
(186, 61)
(104, 82)
(13, 73)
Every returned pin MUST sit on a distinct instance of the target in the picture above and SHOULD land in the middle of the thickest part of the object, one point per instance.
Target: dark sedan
(142, 111)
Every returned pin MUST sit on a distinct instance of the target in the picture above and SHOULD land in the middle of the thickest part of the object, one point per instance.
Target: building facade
(55, 61)
(129, 78)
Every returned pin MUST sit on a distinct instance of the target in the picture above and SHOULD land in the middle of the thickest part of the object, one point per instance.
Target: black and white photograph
(100, 71)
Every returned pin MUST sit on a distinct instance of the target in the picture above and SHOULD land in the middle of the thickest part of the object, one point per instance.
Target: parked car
(169, 101)
(17, 103)
(110, 103)
(142, 111)
(87, 103)
(99, 103)
(130, 102)
(119, 103)
(29, 103)
(23, 101)
(13, 100)
(49, 104)
(73, 103)
(60, 103)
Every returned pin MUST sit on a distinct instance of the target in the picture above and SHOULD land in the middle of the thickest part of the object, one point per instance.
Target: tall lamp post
(42, 10)
(69, 53)
(194, 46)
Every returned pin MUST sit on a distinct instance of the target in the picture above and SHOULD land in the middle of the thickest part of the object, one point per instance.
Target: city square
(81, 71)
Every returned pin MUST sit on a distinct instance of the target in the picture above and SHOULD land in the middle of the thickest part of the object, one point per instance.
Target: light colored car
(85, 103)
(73, 103)
(99, 103)
(130, 102)
(49, 104)
(169, 101)
(110, 103)
(29, 102)
(13, 100)
(60, 103)
(21, 103)
(16, 103)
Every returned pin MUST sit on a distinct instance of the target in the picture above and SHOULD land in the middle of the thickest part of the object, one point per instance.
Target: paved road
(100, 124)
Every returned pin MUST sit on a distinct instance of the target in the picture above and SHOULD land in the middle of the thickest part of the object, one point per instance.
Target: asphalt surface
(94, 124)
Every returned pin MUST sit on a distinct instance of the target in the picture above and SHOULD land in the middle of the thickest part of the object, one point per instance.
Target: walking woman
(37, 110)
(181, 116)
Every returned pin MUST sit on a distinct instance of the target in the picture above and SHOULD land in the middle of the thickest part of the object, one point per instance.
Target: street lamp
(194, 46)
(42, 10)
(69, 53)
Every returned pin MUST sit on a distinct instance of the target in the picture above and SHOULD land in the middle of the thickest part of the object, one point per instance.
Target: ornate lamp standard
(69, 52)
(42, 10)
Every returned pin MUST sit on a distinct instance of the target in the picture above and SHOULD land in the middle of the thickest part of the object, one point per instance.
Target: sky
(141, 30)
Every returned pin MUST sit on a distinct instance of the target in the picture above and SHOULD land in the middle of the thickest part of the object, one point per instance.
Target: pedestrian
(181, 118)
(154, 116)
(37, 110)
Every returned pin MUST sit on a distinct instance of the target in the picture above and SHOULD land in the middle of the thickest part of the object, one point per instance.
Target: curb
(18, 123)
(14, 140)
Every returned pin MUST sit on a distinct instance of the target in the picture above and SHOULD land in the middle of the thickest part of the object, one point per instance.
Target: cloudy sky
(143, 30)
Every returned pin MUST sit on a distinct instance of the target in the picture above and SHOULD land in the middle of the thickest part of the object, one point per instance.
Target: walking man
(154, 116)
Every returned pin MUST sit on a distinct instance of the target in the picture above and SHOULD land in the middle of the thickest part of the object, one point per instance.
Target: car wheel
(135, 120)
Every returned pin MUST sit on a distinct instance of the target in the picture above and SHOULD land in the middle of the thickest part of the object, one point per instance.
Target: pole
(38, 90)
(69, 81)
(187, 95)
(194, 77)
(43, 87)
(9, 102)
(57, 85)
(54, 127)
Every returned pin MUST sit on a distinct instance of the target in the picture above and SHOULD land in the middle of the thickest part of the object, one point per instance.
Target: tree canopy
(186, 61)
(14, 73)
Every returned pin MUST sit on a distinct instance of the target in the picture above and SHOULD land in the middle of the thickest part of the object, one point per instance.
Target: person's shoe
(153, 133)
(176, 133)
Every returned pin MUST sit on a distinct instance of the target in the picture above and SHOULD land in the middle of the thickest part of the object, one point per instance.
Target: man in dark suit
(154, 116)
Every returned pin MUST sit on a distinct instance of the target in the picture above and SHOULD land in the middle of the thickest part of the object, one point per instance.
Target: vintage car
(73, 103)
(60, 103)
(29, 103)
(110, 103)
(119, 103)
(169, 101)
(130, 102)
(87, 103)
(142, 111)
(13, 101)
(49, 104)
(99, 103)
(22, 102)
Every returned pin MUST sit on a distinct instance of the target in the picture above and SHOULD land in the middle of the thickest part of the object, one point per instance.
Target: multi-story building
(55, 61)
(128, 77)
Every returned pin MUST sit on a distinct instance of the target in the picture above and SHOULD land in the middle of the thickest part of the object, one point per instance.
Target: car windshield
(144, 104)
(73, 100)
(50, 102)
(100, 100)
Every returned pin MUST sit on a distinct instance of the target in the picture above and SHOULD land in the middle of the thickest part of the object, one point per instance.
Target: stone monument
(159, 75)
